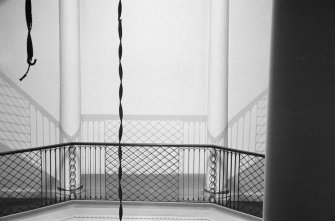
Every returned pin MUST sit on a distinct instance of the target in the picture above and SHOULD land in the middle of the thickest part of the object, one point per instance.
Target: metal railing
(246, 130)
(24, 123)
(151, 172)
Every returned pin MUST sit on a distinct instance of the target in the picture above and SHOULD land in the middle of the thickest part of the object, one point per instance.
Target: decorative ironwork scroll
(30, 51)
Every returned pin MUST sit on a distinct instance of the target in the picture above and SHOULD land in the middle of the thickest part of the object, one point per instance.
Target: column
(217, 89)
(300, 165)
(70, 101)
(218, 72)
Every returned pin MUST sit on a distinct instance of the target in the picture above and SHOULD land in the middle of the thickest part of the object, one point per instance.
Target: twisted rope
(120, 108)
(30, 51)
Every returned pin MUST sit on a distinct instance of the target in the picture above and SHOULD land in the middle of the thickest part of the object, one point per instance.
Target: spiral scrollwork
(72, 171)
(212, 175)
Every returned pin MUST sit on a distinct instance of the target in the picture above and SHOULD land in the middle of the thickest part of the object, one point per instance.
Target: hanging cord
(30, 51)
(120, 108)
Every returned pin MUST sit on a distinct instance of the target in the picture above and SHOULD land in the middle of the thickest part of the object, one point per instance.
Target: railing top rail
(132, 144)
(247, 108)
(102, 117)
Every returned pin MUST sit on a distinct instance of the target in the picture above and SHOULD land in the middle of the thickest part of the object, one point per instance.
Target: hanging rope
(30, 51)
(120, 108)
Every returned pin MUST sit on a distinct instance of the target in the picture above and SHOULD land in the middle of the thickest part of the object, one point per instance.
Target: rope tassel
(120, 109)
(30, 50)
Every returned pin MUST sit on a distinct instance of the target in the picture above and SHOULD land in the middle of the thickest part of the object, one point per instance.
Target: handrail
(43, 176)
(35, 104)
(131, 144)
(102, 117)
(247, 108)
(186, 129)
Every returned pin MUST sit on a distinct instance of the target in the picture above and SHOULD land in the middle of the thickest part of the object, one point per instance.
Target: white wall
(165, 54)
(42, 82)
(249, 54)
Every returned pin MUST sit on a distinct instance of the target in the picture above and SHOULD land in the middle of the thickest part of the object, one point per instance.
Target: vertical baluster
(55, 168)
(41, 166)
(49, 132)
(204, 176)
(55, 139)
(199, 132)
(87, 131)
(199, 174)
(238, 181)
(225, 198)
(220, 194)
(36, 127)
(50, 175)
(231, 136)
(99, 125)
(45, 175)
(80, 166)
(95, 172)
(60, 171)
(230, 175)
(236, 146)
(93, 131)
(243, 132)
(183, 173)
(100, 173)
(193, 151)
(234, 179)
(90, 150)
(249, 131)
(188, 174)
(64, 168)
(85, 172)
(43, 143)
(105, 148)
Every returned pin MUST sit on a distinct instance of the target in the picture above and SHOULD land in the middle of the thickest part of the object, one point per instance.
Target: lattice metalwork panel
(251, 181)
(20, 182)
(14, 117)
(261, 122)
(149, 173)
(146, 131)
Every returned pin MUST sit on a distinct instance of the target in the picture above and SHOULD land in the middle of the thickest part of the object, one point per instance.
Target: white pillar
(218, 72)
(217, 86)
(300, 165)
(69, 49)
(70, 94)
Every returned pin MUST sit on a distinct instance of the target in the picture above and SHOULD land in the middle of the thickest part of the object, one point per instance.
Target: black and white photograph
(167, 110)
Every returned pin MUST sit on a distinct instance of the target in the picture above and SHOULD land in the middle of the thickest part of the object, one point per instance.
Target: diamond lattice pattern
(149, 173)
(251, 179)
(20, 182)
(145, 131)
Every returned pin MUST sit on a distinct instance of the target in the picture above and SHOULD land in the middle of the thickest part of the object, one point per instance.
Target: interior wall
(42, 82)
(249, 51)
(165, 54)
